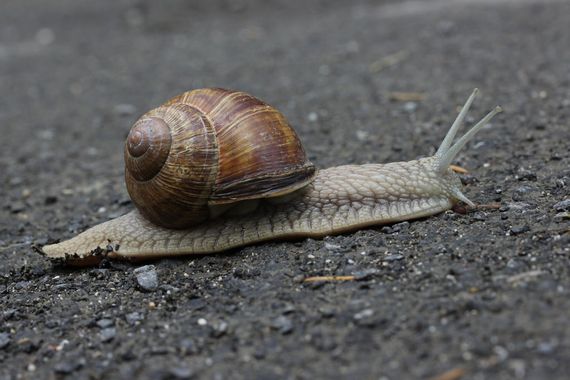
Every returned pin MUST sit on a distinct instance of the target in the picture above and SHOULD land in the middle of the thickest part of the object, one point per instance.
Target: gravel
(482, 294)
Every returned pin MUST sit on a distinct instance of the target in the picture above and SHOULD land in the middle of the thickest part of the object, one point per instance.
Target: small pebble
(133, 318)
(326, 312)
(159, 350)
(366, 313)
(525, 175)
(288, 309)
(362, 135)
(4, 340)
(147, 278)
(259, 353)
(299, 278)
(478, 216)
(410, 106)
(396, 257)
(468, 179)
(520, 193)
(365, 274)
(17, 207)
(16, 181)
(516, 230)
(219, 329)
(546, 348)
(108, 334)
(332, 247)
(402, 226)
(69, 366)
(50, 199)
(562, 216)
(99, 273)
(28, 345)
(188, 347)
(180, 373)
(283, 324)
(516, 264)
(104, 323)
(563, 205)
(22, 285)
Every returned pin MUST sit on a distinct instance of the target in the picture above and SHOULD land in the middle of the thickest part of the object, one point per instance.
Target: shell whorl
(147, 148)
(176, 195)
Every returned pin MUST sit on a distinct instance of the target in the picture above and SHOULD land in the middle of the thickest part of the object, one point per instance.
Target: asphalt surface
(478, 296)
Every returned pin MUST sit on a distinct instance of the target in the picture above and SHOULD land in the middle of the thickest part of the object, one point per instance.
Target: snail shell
(207, 148)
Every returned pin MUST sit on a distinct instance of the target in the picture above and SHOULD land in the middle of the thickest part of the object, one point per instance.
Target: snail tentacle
(450, 136)
(447, 152)
(445, 160)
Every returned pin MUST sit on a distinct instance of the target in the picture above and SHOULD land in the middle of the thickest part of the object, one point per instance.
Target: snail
(214, 169)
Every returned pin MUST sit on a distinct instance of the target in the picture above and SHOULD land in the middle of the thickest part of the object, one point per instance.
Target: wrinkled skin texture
(340, 199)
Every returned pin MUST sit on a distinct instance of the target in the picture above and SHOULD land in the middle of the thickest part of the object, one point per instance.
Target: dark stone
(283, 324)
(516, 230)
(133, 318)
(525, 175)
(520, 193)
(327, 312)
(188, 347)
(104, 323)
(478, 216)
(17, 207)
(393, 257)
(562, 205)
(69, 366)
(108, 334)
(4, 340)
(180, 373)
(365, 274)
(219, 328)
(468, 179)
(50, 200)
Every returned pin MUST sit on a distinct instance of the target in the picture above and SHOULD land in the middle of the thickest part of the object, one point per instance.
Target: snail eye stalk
(447, 152)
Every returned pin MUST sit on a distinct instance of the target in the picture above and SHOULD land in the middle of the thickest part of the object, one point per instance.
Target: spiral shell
(210, 147)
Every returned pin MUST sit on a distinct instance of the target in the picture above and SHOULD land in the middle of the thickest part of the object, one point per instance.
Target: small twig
(524, 276)
(458, 169)
(15, 245)
(387, 61)
(488, 206)
(452, 374)
(328, 278)
(464, 209)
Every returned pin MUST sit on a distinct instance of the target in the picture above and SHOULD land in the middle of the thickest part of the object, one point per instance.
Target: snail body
(319, 203)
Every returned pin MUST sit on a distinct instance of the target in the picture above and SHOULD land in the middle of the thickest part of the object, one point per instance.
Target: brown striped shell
(210, 147)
